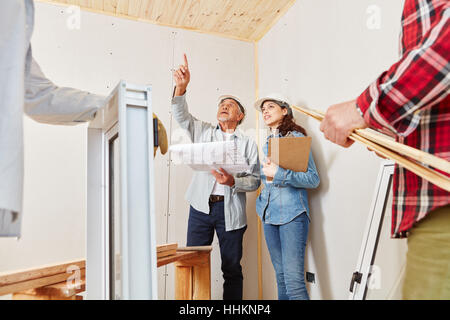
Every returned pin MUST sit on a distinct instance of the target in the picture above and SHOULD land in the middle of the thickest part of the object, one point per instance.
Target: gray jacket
(202, 183)
(24, 88)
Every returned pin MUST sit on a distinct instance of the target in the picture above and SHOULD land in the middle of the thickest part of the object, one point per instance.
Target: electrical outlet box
(310, 277)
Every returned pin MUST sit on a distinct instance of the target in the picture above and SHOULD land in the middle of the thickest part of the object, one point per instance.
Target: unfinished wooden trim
(384, 150)
(259, 224)
(411, 152)
(193, 277)
(195, 248)
(165, 247)
(397, 147)
(176, 257)
(166, 250)
(62, 289)
(50, 282)
(36, 273)
(183, 283)
(37, 283)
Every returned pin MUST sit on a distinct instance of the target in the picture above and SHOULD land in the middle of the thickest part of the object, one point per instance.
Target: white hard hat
(274, 97)
(229, 96)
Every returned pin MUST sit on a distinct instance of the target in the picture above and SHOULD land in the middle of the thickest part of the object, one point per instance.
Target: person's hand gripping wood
(182, 76)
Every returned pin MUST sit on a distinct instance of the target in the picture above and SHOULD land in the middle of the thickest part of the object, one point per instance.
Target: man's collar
(236, 132)
(272, 135)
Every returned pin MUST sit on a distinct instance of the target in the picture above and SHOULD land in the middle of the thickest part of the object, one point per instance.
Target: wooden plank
(426, 173)
(183, 283)
(387, 142)
(35, 273)
(258, 141)
(193, 277)
(202, 281)
(411, 152)
(195, 248)
(60, 289)
(199, 259)
(166, 253)
(165, 250)
(36, 283)
(176, 257)
(165, 247)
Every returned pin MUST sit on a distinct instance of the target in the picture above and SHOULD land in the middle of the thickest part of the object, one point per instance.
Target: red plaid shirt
(411, 102)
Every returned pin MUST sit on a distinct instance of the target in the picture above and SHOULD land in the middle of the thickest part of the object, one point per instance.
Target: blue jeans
(201, 228)
(287, 244)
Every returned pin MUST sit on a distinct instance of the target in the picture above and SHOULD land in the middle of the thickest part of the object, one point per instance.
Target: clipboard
(290, 153)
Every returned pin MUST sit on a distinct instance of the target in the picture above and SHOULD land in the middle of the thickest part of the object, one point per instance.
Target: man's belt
(215, 198)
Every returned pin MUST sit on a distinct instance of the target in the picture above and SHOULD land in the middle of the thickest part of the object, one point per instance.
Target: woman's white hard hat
(273, 97)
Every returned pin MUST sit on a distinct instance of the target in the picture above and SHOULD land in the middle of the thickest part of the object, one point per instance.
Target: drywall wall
(320, 53)
(93, 53)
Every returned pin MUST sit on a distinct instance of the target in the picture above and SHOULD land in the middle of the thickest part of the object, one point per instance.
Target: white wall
(95, 57)
(321, 53)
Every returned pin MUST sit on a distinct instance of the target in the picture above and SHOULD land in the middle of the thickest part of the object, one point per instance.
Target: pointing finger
(185, 60)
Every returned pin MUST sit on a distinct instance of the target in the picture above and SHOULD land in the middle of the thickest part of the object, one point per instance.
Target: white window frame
(358, 285)
(128, 113)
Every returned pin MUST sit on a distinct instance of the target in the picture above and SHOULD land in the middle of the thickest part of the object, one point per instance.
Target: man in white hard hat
(218, 200)
(23, 87)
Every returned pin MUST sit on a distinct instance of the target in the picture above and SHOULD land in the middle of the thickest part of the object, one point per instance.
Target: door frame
(128, 114)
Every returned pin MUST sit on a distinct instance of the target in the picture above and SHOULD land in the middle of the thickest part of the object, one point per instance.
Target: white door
(121, 245)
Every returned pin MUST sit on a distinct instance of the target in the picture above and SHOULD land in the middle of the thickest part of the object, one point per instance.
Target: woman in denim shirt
(283, 203)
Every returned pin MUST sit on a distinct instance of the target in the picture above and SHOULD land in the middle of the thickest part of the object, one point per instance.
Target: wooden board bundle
(397, 152)
(39, 277)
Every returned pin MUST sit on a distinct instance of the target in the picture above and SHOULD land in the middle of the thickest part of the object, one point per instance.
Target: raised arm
(180, 109)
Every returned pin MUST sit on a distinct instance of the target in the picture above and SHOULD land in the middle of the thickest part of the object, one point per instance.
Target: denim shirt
(286, 197)
(202, 183)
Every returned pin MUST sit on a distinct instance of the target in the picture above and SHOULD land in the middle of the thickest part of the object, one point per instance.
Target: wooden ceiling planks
(247, 20)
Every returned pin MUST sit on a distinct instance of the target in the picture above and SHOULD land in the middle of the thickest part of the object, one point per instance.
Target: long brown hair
(288, 124)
